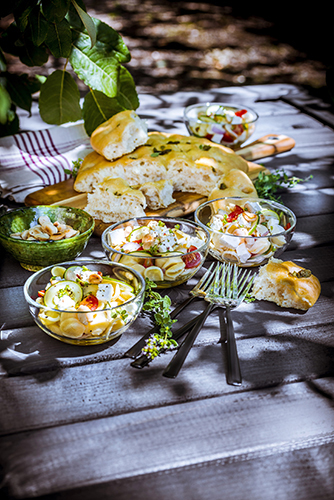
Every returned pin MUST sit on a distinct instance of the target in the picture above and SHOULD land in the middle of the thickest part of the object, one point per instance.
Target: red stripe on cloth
(29, 164)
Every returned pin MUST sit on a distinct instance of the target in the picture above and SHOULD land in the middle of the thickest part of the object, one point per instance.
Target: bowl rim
(275, 203)
(176, 219)
(31, 278)
(42, 243)
(229, 105)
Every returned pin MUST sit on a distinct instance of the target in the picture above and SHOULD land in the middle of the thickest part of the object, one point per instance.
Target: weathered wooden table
(82, 423)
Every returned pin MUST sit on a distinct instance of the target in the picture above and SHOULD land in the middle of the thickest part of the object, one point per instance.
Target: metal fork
(177, 361)
(197, 292)
(228, 293)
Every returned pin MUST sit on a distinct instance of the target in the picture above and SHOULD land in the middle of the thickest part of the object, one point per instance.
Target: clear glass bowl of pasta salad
(246, 231)
(164, 250)
(85, 302)
(222, 123)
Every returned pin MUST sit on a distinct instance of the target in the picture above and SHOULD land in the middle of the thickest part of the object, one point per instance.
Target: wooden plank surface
(82, 423)
(196, 433)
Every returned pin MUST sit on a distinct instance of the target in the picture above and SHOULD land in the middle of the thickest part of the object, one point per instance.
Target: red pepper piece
(234, 214)
(90, 301)
(192, 260)
(241, 112)
(287, 226)
(227, 138)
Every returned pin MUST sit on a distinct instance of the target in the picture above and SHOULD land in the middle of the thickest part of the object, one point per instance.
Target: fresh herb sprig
(267, 185)
(76, 164)
(160, 306)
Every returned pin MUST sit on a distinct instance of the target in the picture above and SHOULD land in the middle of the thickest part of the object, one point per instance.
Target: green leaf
(59, 39)
(59, 100)
(5, 104)
(31, 55)
(55, 10)
(98, 108)
(19, 90)
(87, 21)
(9, 40)
(22, 10)
(12, 125)
(3, 63)
(38, 26)
(98, 67)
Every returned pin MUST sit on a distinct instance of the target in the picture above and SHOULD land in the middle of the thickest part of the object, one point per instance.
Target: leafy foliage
(267, 185)
(95, 51)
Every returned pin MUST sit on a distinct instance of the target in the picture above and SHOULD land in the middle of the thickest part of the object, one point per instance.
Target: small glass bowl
(250, 250)
(35, 255)
(155, 267)
(107, 324)
(206, 120)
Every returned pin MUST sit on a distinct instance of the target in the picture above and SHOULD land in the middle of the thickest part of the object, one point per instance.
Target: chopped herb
(160, 306)
(76, 164)
(222, 186)
(156, 151)
(173, 142)
(214, 170)
(303, 273)
(204, 147)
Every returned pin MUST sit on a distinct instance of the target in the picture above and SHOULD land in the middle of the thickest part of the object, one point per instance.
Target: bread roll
(286, 284)
(158, 194)
(119, 135)
(114, 200)
(234, 183)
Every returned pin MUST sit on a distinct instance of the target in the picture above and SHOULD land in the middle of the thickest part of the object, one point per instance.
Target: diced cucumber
(70, 288)
(138, 233)
(71, 273)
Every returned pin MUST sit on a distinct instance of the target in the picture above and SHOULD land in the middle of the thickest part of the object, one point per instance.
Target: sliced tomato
(90, 301)
(241, 112)
(234, 214)
(227, 138)
(191, 259)
(287, 226)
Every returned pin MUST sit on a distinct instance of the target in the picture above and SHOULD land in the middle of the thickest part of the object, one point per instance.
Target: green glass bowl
(34, 255)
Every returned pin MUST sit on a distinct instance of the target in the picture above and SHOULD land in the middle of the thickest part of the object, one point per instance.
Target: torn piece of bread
(134, 168)
(114, 200)
(286, 284)
(158, 194)
(119, 135)
(234, 183)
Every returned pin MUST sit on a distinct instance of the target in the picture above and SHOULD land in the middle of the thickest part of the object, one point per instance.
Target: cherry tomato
(241, 112)
(234, 214)
(192, 259)
(90, 301)
(227, 138)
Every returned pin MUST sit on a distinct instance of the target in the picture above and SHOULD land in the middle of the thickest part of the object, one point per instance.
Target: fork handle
(135, 350)
(233, 366)
(177, 361)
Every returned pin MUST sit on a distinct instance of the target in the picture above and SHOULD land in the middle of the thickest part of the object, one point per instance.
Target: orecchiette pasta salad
(158, 252)
(84, 304)
(248, 234)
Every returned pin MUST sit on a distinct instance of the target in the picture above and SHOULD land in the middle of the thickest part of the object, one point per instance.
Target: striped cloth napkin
(32, 160)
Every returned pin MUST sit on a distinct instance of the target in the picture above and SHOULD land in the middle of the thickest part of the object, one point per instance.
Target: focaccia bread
(158, 194)
(234, 183)
(114, 200)
(191, 163)
(119, 135)
(286, 284)
(95, 168)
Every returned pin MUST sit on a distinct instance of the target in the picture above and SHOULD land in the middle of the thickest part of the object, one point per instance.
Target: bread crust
(286, 284)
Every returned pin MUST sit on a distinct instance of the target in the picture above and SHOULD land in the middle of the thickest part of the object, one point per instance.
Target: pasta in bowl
(246, 231)
(85, 302)
(165, 250)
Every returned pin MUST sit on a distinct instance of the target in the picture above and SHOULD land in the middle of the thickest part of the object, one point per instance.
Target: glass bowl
(34, 255)
(222, 123)
(167, 267)
(90, 324)
(246, 231)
